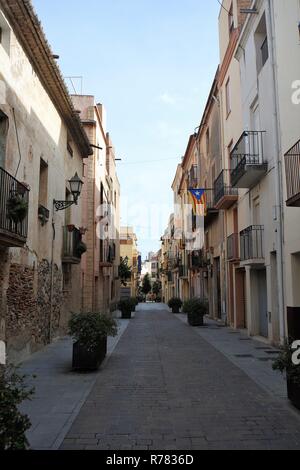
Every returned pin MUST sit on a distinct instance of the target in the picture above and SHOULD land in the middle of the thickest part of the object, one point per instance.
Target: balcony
(252, 245)
(73, 246)
(183, 271)
(14, 201)
(292, 171)
(211, 211)
(197, 261)
(110, 256)
(233, 247)
(248, 165)
(224, 194)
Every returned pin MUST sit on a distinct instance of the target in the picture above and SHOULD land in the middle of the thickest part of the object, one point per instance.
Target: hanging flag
(199, 201)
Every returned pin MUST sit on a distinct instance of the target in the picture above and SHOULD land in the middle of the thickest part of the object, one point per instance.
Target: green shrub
(13, 424)
(89, 328)
(175, 303)
(284, 363)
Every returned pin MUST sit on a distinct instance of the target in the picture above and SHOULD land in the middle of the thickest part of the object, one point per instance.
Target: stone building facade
(42, 144)
(101, 195)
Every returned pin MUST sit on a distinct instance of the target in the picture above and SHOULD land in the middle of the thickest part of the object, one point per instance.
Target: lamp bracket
(62, 205)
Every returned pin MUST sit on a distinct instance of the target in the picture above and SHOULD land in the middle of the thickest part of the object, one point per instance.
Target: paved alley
(166, 387)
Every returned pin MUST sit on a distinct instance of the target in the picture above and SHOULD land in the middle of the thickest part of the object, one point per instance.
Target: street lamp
(75, 188)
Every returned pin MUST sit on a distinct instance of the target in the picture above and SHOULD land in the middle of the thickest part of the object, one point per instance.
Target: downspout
(278, 181)
(51, 278)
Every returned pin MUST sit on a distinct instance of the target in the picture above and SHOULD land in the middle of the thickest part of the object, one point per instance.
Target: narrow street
(165, 387)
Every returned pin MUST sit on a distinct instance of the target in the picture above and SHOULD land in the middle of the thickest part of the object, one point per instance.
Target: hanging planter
(17, 208)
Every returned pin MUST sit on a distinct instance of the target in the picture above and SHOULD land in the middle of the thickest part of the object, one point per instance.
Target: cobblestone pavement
(166, 388)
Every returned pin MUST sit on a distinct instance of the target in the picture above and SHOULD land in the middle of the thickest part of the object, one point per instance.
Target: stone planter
(84, 360)
(195, 319)
(126, 314)
(294, 393)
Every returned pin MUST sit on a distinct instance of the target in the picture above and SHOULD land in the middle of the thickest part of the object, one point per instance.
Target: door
(262, 303)
(218, 287)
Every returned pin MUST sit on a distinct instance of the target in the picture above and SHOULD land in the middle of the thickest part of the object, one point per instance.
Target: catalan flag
(199, 201)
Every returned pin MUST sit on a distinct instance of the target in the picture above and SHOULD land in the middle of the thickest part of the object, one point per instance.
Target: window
(207, 142)
(43, 187)
(261, 44)
(230, 20)
(228, 100)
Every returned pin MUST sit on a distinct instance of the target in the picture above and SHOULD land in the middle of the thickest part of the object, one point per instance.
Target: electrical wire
(148, 161)
(221, 3)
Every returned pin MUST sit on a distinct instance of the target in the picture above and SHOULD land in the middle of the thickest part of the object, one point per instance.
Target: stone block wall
(25, 300)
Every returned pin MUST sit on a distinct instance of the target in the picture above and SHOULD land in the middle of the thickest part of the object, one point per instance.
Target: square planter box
(126, 315)
(294, 393)
(195, 320)
(89, 360)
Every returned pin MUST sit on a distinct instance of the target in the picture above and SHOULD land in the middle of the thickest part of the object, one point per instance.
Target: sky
(151, 63)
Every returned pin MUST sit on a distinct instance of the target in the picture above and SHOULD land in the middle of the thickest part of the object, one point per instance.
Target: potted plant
(125, 305)
(284, 364)
(17, 208)
(13, 424)
(134, 303)
(175, 304)
(81, 248)
(196, 309)
(90, 332)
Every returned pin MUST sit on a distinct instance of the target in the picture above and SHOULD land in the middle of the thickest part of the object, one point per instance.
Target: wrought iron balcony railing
(14, 206)
(292, 171)
(73, 246)
(247, 160)
(252, 243)
(197, 260)
(224, 194)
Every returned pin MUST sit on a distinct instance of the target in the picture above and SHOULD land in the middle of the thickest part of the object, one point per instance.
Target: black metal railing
(222, 186)
(196, 260)
(249, 150)
(183, 271)
(233, 247)
(292, 170)
(73, 246)
(14, 205)
(252, 243)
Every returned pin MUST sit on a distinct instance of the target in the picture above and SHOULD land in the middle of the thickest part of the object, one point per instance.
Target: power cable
(221, 3)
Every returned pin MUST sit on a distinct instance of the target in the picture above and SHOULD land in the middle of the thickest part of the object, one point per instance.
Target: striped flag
(199, 201)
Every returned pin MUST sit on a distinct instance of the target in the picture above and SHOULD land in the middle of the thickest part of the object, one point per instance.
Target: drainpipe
(278, 182)
(51, 277)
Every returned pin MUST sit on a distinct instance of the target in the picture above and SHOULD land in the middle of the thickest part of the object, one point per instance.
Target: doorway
(262, 303)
